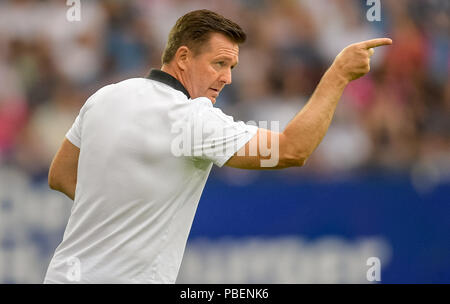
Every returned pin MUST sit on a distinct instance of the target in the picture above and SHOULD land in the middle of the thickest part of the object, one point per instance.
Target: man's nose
(225, 77)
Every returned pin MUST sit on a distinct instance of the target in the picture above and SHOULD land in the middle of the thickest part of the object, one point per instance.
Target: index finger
(368, 44)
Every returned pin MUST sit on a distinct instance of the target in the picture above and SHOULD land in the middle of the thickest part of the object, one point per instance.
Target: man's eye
(221, 63)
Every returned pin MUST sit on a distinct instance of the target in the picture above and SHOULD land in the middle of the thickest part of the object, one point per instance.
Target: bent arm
(62, 175)
(304, 133)
(309, 126)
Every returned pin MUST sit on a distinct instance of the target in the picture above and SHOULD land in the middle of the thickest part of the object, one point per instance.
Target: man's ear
(182, 57)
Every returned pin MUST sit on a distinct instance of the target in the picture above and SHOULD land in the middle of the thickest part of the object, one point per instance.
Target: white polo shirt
(146, 150)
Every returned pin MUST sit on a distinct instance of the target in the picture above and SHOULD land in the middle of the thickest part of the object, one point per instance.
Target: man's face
(210, 70)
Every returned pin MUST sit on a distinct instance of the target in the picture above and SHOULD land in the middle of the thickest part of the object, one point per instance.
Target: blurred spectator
(13, 111)
(395, 118)
(46, 128)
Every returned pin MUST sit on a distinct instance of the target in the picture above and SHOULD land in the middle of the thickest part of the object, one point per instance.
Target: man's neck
(168, 76)
(171, 71)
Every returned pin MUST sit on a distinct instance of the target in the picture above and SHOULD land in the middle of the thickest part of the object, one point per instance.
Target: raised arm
(304, 133)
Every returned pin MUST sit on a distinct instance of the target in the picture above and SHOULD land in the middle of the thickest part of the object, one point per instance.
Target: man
(135, 194)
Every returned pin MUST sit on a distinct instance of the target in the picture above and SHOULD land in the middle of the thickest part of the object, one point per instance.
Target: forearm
(62, 174)
(68, 189)
(304, 133)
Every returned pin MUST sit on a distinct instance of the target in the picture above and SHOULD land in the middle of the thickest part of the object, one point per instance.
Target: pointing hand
(353, 62)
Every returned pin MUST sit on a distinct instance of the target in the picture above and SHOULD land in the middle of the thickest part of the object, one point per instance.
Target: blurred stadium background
(378, 185)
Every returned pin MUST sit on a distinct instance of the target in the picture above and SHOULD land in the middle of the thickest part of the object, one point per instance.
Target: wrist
(336, 76)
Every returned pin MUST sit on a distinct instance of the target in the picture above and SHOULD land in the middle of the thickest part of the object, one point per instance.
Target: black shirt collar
(168, 79)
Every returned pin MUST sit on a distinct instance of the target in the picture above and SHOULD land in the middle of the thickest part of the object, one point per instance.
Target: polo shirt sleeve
(74, 133)
(216, 136)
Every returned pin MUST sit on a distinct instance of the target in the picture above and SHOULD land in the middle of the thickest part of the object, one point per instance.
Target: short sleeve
(74, 133)
(212, 135)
